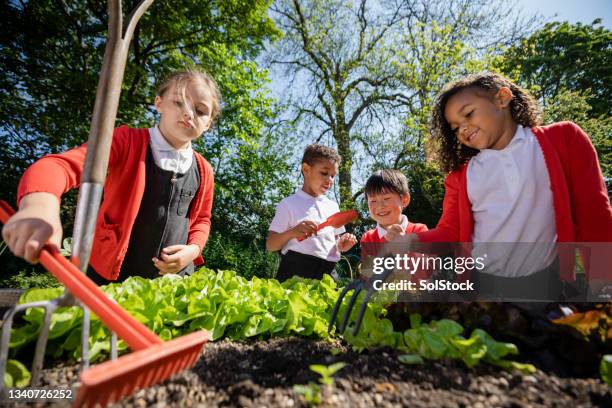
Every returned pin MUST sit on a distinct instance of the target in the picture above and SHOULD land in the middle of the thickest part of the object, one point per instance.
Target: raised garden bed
(256, 359)
(263, 373)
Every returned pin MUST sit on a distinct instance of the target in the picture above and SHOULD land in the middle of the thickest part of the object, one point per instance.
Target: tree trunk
(341, 135)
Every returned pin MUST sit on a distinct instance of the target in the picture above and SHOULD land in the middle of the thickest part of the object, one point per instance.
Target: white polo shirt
(512, 204)
(299, 207)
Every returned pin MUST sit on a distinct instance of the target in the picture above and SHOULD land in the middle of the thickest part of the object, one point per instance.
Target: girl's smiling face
(481, 120)
(184, 115)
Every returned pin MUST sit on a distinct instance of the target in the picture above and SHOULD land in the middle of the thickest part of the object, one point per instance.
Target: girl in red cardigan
(512, 181)
(155, 216)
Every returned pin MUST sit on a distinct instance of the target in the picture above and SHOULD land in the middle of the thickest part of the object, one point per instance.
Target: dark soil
(263, 373)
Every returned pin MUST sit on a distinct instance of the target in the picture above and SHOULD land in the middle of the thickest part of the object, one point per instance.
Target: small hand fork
(358, 285)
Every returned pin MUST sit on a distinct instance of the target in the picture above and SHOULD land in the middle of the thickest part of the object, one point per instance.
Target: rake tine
(7, 325)
(334, 313)
(113, 346)
(349, 307)
(41, 343)
(85, 338)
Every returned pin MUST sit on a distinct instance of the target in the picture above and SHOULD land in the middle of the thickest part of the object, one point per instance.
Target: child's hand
(176, 257)
(346, 242)
(36, 223)
(305, 229)
(394, 233)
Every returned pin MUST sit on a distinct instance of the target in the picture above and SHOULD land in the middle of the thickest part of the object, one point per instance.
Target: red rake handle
(136, 335)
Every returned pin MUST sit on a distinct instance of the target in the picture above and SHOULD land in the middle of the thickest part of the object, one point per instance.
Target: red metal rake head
(113, 380)
(152, 360)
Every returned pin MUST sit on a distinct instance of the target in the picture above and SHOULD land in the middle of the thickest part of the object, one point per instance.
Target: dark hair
(182, 78)
(386, 181)
(316, 152)
(451, 154)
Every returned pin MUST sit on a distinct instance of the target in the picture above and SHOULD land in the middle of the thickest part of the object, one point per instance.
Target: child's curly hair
(316, 152)
(450, 152)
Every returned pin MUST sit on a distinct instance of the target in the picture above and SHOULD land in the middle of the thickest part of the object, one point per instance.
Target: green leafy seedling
(66, 246)
(310, 392)
(327, 372)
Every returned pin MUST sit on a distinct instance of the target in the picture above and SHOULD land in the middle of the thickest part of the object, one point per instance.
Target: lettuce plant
(227, 305)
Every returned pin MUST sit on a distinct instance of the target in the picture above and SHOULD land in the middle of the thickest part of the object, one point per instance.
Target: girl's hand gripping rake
(337, 220)
(152, 361)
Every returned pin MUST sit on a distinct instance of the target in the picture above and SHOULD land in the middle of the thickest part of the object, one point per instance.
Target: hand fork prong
(362, 310)
(370, 291)
(334, 313)
(349, 307)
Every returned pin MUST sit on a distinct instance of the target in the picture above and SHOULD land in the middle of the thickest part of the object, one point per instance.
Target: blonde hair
(181, 79)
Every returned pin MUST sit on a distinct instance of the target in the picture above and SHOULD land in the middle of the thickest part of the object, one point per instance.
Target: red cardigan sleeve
(591, 211)
(418, 228)
(199, 227)
(59, 173)
(54, 173)
(447, 229)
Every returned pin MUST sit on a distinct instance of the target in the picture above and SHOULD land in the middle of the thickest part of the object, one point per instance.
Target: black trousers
(542, 286)
(307, 266)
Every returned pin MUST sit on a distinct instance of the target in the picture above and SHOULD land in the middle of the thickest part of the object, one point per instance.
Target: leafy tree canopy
(51, 54)
(564, 56)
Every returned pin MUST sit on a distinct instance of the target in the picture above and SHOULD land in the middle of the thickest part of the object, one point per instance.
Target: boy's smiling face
(386, 207)
(319, 177)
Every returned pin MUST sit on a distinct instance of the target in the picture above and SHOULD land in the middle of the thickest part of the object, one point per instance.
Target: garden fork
(92, 179)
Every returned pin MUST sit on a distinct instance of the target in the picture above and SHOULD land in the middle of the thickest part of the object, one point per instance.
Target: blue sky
(574, 11)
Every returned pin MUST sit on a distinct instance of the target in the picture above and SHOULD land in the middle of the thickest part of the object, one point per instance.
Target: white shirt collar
(518, 138)
(166, 156)
(304, 194)
(161, 144)
(382, 232)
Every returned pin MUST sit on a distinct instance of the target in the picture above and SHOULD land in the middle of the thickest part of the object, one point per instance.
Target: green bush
(29, 278)
(247, 256)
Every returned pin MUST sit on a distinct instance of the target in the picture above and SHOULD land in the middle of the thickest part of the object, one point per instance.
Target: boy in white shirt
(298, 216)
